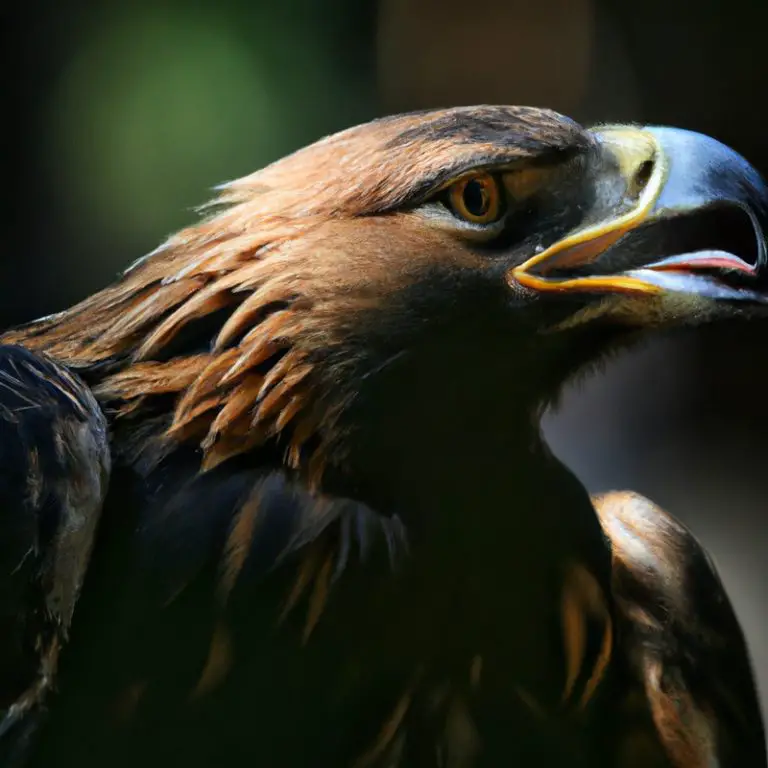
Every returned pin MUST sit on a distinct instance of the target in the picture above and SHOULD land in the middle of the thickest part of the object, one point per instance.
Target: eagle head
(412, 285)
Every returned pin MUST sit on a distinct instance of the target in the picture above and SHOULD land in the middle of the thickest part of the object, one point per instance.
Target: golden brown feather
(287, 253)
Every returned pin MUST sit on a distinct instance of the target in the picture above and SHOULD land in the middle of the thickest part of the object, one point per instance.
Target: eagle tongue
(706, 259)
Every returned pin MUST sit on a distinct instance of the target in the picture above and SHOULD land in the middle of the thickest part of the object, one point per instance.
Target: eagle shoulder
(54, 471)
(675, 619)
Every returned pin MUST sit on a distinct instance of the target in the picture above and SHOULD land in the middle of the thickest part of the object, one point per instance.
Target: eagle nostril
(640, 179)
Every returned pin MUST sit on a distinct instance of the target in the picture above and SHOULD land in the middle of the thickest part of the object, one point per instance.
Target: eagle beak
(691, 218)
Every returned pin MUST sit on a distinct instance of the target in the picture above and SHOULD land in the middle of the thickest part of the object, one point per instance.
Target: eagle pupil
(475, 198)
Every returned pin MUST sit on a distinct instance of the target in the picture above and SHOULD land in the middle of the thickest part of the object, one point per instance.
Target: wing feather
(682, 638)
(54, 470)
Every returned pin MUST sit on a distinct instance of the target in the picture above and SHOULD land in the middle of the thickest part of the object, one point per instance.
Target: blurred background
(121, 116)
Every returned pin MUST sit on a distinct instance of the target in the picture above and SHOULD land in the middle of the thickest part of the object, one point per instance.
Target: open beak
(690, 216)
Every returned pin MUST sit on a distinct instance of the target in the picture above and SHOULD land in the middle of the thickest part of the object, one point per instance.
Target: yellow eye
(477, 198)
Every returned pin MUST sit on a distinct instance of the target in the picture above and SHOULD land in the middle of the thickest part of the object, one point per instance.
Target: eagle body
(333, 534)
(348, 643)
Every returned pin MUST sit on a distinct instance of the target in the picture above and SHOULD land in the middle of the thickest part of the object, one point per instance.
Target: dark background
(120, 116)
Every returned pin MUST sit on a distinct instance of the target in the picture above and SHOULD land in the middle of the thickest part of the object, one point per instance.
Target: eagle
(279, 496)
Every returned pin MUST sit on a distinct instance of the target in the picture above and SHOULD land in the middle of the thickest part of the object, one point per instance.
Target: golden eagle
(333, 534)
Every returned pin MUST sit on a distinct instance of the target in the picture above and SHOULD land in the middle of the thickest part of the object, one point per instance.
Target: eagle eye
(477, 198)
